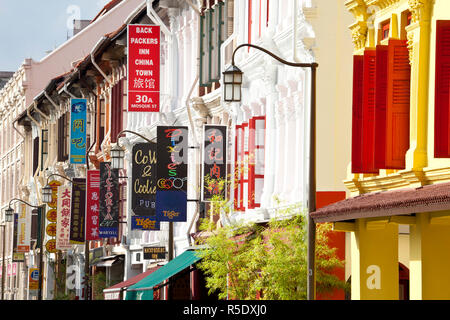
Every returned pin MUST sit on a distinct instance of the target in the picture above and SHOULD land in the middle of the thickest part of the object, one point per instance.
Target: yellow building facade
(398, 220)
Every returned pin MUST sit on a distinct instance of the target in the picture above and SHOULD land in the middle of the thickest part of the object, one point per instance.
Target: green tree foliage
(249, 261)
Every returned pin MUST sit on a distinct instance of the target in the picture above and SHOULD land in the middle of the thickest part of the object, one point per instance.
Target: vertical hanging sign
(214, 161)
(52, 215)
(92, 205)
(109, 201)
(78, 131)
(24, 229)
(171, 190)
(78, 210)
(63, 217)
(143, 195)
(143, 68)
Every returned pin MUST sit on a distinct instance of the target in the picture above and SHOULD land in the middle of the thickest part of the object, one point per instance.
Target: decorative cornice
(359, 34)
(420, 10)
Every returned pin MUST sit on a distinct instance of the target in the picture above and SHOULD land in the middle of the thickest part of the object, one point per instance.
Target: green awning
(143, 290)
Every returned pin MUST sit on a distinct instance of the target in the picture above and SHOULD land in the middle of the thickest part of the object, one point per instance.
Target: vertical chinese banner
(78, 210)
(143, 68)
(78, 131)
(24, 229)
(214, 161)
(109, 201)
(51, 216)
(92, 205)
(63, 217)
(171, 190)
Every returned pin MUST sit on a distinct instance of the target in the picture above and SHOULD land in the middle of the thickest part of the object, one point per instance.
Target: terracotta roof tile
(428, 198)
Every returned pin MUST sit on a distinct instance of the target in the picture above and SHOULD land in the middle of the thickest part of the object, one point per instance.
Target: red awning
(113, 293)
(405, 201)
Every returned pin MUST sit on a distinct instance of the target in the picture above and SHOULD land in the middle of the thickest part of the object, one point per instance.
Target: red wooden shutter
(116, 110)
(380, 109)
(237, 168)
(357, 114)
(256, 143)
(240, 168)
(398, 104)
(368, 112)
(251, 164)
(442, 83)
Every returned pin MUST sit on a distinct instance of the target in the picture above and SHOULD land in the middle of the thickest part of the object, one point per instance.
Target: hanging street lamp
(47, 191)
(118, 152)
(232, 81)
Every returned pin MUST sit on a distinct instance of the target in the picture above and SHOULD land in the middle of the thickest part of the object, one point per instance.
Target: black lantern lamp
(232, 82)
(9, 213)
(47, 191)
(47, 194)
(117, 155)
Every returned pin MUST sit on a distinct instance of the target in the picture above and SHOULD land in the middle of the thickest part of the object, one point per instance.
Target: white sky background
(29, 28)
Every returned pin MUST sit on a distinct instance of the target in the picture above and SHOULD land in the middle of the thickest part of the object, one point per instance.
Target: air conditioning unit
(137, 257)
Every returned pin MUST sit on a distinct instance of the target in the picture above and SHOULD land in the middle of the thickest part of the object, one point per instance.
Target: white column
(280, 145)
(290, 145)
(270, 136)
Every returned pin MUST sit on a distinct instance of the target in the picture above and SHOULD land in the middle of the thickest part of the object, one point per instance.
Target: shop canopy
(113, 293)
(143, 290)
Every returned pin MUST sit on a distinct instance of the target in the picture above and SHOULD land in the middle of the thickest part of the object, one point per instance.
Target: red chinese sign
(143, 68)
(92, 205)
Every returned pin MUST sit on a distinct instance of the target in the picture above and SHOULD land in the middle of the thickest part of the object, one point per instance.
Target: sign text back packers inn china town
(143, 68)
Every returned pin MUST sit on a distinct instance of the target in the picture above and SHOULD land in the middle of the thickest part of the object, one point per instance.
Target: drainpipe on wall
(151, 13)
(194, 133)
(109, 82)
(40, 142)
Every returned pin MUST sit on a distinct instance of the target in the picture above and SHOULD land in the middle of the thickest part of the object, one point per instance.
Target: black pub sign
(143, 178)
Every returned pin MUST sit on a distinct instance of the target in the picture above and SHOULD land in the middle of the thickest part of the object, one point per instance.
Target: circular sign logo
(51, 246)
(35, 275)
(51, 215)
(51, 229)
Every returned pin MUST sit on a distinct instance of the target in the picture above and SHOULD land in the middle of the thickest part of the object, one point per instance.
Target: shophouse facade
(267, 131)
(25, 156)
(397, 212)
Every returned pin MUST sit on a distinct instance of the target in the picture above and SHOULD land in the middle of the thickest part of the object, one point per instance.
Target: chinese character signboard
(214, 161)
(154, 253)
(78, 211)
(78, 131)
(143, 68)
(24, 229)
(171, 191)
(92, 205)
(109, 201)
(63, 217)
(51, 215)
(143, 178)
